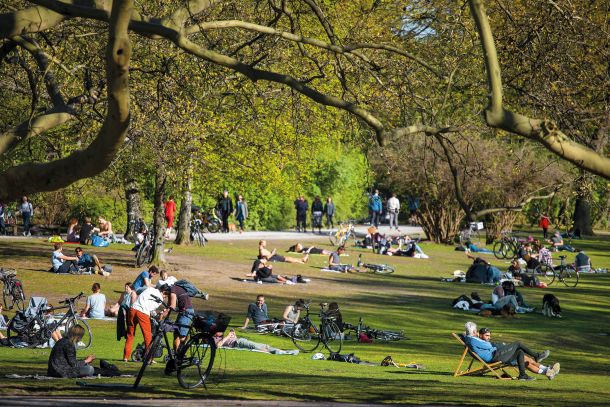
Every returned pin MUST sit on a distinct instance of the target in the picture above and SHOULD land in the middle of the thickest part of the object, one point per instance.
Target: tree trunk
(134, 205)
(184, 218)
(159, 225)
(582, 217)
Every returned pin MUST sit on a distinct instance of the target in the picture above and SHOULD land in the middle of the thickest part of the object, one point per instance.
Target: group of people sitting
(384, 244)
(81, 262)
(505, 300)
(83, 233)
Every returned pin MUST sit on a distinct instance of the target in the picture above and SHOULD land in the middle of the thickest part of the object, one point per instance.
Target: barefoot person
(264, 253)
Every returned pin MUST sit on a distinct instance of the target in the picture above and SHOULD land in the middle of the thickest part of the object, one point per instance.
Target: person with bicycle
(62, 361)
(141, 310)
(179, 299)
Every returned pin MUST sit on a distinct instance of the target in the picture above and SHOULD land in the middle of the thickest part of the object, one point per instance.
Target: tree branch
(544, 132)
(37, 177)
(515, 208)
(28, 21)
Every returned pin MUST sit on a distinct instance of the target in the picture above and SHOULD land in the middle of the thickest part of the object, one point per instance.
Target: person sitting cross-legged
(262, 271)
(62, 263)
(503, 352)
(334, 262)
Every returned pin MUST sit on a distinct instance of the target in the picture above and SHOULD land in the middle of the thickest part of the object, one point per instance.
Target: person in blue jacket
(376, 207)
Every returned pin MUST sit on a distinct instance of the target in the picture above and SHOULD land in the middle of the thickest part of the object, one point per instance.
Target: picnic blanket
(15, 376)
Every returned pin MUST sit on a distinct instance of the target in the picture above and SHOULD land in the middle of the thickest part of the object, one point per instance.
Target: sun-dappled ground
(412, 299)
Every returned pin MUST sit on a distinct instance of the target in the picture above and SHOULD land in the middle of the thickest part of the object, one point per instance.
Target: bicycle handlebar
(70, 300)
(160, 301)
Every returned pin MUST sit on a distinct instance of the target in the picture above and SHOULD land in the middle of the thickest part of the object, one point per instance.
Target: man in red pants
(139, 314)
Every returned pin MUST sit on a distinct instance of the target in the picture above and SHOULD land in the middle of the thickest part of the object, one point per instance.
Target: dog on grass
(550, 306)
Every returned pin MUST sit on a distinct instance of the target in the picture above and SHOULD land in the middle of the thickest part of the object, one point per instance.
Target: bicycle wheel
(545, 274)
(332, 336)
(213, 226)
(6, 297)
(149, 354)
(140, 253)
(18, 295)
(383, 269)
(305, 336)
(387, 336)
(32, 335)
(85, 342)
(195, 360)
(500, 249)
(569, 276)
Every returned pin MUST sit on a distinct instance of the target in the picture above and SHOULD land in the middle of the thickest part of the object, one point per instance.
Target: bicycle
(9, 220)
(506, 247)
(279, 328)
(566, 273)
(210, 221)
(471, 234)
(194, 359)
(37, 330)
(307, 336)
(144, 253)
(12, 292)
(375, 268)
(196, 233)
(376, 334)
(343, 234)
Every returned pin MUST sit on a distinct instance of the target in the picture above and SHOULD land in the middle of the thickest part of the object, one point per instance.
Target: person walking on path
(544, 224)
(27, 211)
(225, 207)
(393, 210)
(317, 209)
(376, 208)
(170, 211)
(301, 207)
(329, 211)
(241, 209)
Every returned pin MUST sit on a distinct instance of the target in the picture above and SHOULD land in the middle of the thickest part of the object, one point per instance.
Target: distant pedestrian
(544, 223)
(376, 207)
(3, 210)
(225, 207)
(27, 211)
(393, 210)
(170, 211)
(301, 207)
(316, 214)
(241, 212)
(329, 211)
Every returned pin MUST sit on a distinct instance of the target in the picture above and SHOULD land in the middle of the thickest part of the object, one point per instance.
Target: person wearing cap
(501, 352)
(86, 260)
(530, 363)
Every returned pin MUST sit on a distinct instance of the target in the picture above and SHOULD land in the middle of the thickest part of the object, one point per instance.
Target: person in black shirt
(225, 207)
(62, 361)
(85, 231)
(179, 299)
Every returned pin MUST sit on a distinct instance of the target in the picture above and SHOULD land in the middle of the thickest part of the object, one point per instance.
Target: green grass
(412, 299)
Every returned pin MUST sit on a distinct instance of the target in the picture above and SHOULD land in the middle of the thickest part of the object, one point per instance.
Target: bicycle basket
(211, 322)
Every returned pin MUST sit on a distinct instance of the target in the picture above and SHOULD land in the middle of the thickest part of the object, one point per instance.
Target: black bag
(263, 273)
(19, 322)
(107, 369)
(348, 358)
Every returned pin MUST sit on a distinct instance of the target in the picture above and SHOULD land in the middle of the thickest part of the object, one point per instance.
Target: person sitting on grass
(292, 312)
(62, 361)
(72, 235)
(86, 230)
(104, 228)
(558, 244)
(582, 262)
(264, 253)
(529, 361)
(481, 271)
(299, 248)
(504, 294)
(96, 303)
(409, 249)
(86, 260)
(62, 263)
(257, 312)
(334, 262)
(262, 272)
(232, 341)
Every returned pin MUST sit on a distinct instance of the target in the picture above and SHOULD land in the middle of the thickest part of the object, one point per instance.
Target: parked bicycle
(471, 234)
(566, 273)
(375, 268)
(375, 334)
(307, 336)
(194, 359)
(34, 326)
(9, 220)
(209, 221)
(144, 252)
(341, 236)
(507, 247)
(12, 292)
(196, 233)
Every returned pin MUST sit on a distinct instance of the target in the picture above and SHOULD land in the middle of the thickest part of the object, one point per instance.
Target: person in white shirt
(393, 209)
(165, 279)
(145, 304)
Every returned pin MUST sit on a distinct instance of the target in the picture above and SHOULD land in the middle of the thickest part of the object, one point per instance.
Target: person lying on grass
(232, 341)
(299, 248)
(262, 271)
(264, 253)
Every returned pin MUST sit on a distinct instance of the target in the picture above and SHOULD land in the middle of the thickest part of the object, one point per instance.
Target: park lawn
(412, 299)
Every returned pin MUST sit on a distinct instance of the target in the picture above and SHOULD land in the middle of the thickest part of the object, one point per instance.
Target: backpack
(98, 241)
(189, 287)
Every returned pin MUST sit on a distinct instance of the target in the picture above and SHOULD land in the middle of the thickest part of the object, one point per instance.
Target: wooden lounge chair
(496, 368)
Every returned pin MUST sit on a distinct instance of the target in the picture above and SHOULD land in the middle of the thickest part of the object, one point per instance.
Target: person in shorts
(264, 253)
(179, 299)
